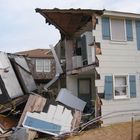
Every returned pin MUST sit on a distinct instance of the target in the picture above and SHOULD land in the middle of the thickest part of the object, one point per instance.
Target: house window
(42, 65)
(120, 87)
(117, 30)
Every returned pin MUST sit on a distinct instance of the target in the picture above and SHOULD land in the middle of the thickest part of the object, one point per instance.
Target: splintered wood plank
(76, 119)
(32, 134)
(34, 103)
(15, 102)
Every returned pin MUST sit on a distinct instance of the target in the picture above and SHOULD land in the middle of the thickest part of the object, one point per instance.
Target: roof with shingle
(37, 53)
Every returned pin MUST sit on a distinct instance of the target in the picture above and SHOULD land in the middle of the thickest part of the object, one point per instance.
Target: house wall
(117, 58)
(42, 75)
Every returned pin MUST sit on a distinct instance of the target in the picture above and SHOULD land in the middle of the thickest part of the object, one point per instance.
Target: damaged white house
(102, 57)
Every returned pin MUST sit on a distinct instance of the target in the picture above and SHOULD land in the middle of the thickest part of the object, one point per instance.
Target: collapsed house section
(59, 119)
(23, 112)
(16, 82)
(18, 73)
(77, 43)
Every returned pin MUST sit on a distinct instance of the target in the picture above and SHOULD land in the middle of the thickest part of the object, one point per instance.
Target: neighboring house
(102, 50)
(41, 63)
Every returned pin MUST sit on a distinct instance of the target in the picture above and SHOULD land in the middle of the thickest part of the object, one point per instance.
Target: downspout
(58, 69)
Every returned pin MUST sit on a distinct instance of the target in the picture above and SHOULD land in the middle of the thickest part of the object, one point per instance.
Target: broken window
(120, 87)
(43, 65)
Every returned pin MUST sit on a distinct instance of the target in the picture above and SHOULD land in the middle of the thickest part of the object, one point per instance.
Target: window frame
(49, 65)
(125, 34)
(127, 86)
(37, 61)
(43, 69)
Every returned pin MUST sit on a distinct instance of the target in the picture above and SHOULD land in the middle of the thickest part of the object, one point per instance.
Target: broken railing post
(132, 127)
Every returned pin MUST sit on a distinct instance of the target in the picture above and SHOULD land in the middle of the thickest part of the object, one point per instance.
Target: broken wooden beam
(13, 103)
(35, 103)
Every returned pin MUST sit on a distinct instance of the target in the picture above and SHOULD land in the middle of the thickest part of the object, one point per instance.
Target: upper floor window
(117, 29)
(43, 65)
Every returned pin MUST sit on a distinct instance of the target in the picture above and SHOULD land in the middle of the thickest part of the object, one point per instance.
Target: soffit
(68, 21)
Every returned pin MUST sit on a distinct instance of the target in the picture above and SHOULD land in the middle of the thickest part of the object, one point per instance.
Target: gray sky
(21, 28)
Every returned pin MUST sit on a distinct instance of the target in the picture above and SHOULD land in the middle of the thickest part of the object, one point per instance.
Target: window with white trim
(120, 87)
(43, 65)
(118, 31)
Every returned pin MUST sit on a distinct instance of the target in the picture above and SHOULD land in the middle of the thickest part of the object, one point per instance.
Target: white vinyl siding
(118, 32)
(118, 58)
(42, 65)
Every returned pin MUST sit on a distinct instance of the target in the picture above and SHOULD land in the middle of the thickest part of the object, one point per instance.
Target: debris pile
(24, 114)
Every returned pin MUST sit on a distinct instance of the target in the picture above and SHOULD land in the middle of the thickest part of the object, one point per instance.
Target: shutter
(129, 30)
(105, 28)
(108, 87)
(132, 82)
(138, 33)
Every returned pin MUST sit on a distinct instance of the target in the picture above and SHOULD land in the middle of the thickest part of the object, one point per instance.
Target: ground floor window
(120, 87)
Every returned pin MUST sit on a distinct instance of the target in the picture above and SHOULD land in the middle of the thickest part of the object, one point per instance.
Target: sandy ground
(122, 131)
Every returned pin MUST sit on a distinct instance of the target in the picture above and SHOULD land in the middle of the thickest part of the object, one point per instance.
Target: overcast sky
(21, 28)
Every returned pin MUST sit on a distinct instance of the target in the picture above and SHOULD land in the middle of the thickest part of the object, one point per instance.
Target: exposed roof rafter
(68, 21)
